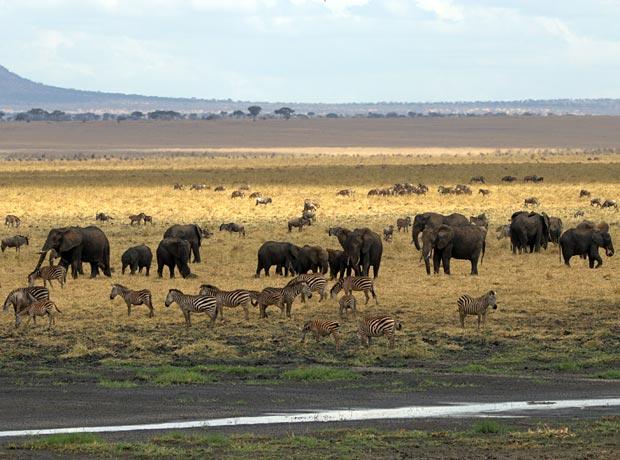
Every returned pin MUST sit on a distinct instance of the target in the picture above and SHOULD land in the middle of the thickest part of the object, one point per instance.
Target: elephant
(529, 229)
(174, 252)
(337, 263)
(584, 240)
(363, 249)
(192, 233)
(433, 219)
(75, 245)
(281, 254)
(555, 229)
(137, 258)
(445, 242)
(313, 258)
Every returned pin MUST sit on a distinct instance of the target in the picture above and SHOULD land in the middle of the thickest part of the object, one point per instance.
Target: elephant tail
(560, 249)
(484, 248)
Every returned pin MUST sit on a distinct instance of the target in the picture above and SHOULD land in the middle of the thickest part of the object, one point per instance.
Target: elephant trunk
(426, 254)
(609, 250)
(414, 238)
(43, 253)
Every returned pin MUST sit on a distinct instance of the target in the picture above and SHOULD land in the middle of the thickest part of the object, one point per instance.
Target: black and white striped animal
(610, 204)
(39, 308)
(388, 233)
(142, 297)
(21, 298)
(347, 302)
(299, 222)
(230, 299)
(136, 218)
(469, 305)
(231, 227)
(12, 221)
(192, 304)
(281, 297)
(316, 283)
(263, 200)
(355, 283)
(148, 219)
(322, 328)
(403, 224)
(377, 326)
(16, 242)
(237, 194)
(48, 274)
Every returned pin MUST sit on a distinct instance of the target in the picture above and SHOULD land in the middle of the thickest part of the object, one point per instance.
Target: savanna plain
(551, 321)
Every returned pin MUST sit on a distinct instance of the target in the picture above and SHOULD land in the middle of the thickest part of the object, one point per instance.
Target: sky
(319, 50)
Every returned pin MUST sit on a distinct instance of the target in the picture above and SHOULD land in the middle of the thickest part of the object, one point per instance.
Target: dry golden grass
(548, 314)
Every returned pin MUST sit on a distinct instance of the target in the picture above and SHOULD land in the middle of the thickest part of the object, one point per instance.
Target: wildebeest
(509, 179)
(388, 233)
(345, 192)
(103, 217)
(403, 224)
(531, 201)
(484, 191)
(179, 186)
(219, 188)
(596, 202)
(12, 221)
(263, 200)
(237, 194)
(231, 227)
(255, 195)
(610, 204)
(136, 218)
(477, 179)
(14, 242)
(299, 222)
(579, 213)
(584, 193)
(533, 178)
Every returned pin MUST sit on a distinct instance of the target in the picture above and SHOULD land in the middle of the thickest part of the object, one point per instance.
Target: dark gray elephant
(529, 229)
(137, 258)
(174, 252)
(555, 229)
(446, 242)
(281, 254)
(337, 263)
(313, 258)
(75, 245)
(192, 233)
(435, 220)
(363, 249)
(584, 240)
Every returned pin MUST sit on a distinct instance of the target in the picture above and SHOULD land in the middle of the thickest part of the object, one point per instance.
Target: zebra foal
(469, 305)
(322, 328)
(231, 299)
(47, 274)
(347, 302)
(355, 283)
(377, 326)
(38, 308)
(192, 304)
(281, 297)
(316, 283)
(142, 297)
(21, 298)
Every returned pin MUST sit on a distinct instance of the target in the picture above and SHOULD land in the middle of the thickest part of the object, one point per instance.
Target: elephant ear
(294, 251)
(367, 241)
(598, 238)
(70, 239)
(198, 231)
(445, 235)
(545, 223)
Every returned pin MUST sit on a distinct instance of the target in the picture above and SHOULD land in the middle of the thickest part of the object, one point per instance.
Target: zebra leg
(372, 291)
(220, 310)
(391, 340)
(50, 318)
(128, 307)
(149, 304)
(188, 319)
(462, 320)
(367, 297)
(337, 340)
(246, 311)
(303, 336)
(317, 336)
(479, 316)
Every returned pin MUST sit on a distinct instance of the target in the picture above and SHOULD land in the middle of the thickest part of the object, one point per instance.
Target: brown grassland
(550, 318)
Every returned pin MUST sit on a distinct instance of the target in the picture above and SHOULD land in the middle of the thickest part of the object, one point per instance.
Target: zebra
(178, 186)
(47, 274)
(321, 328)
(316, 283)
(38, 308)
(136, 218)
(345, 192)
(403, 224)
(281, 297)
(468, 305)
(531, 201)
(193, 303)
(300, 222)
(231, 227)
(142, 297)
(198, 187)
(16, 242)
(355, 283)
(237, 194)
(261, 200)
(148, 219)
(12, 221)
(596, 202)
(347, 302)
(610, 204)
(21, 298)
(388, 233)
(229, 299)
(219, 188)
(377, 326)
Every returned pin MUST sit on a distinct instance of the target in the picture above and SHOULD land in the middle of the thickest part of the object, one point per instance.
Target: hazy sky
(315, 50)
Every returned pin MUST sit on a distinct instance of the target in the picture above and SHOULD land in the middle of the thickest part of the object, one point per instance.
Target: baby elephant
(137, 258)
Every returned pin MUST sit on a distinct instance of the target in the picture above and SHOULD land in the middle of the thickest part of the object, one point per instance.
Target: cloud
(445, 10)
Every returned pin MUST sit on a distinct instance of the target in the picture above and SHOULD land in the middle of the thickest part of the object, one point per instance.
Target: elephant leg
(128, 308)
(148, 269)
(436, 261)
(196, 251)
(94, 269)
(171, 268)
(74, 269)
(474, 265)
(446, 264)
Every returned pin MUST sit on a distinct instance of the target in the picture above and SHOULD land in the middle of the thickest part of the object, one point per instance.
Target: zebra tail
(57, 309)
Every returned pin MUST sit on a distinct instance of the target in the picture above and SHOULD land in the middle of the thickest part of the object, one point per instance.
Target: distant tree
(375, 115)
(391, 115)
(22, 117)
(137, 115)
(254, 111)
(2, 114)
(284, 112)
(164, 115)
(332, 115)
(311, 114)
(238, 114)
(414, 114)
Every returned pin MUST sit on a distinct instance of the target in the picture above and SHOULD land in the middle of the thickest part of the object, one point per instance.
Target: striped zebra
(192, 304)
(322, 328)
(231, 299)
(38, 308)
(355, 283)
(281, 297)
(347, 302)
(377, 326)
(47, 274)
(316, 283)
(12, 221)
(142, 297)
(469, 305)
(136, 218)
(21, 298)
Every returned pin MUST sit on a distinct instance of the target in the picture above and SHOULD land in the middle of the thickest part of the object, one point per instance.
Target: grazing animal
(477, 180)
(596, 202)
(484, 191)
(403, 224)
(16, 242)
(148, 219)
(49, 273)
(12, 221)
(310, 205)
(338, 262)
(230, 299)
(469, 305)
(282, 297)
(355, 283)
(347, 302)
(584, 194)
(503, 231)
(263, 200)
(377, 326)
(219, 188)
(199, 187)
(21, 298)
(178, 186)
(345, 192)
(388, 233)
(610, 204)
(309, 215)
(299, 222)
(237, 194)
(244, 187)
(531, 201)
(192, 304)
(533, 178)
(142, 297)
(509, 179)
(103, 217)
(579, 213)
(461, 189)
(136, 218)
(38, 308)
(137, 258)
(322, 328)
(231, 227)
(255, 195)
(316, 282)
(445, 190)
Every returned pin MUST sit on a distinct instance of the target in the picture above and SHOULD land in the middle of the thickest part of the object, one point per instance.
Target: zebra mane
(208, 286)
(120, 286)
(175, 290)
